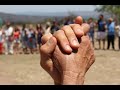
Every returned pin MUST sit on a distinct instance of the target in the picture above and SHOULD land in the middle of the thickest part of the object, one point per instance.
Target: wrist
(72, 78)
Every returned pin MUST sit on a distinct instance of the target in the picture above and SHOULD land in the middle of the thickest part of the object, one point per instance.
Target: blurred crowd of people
(107, 30)
(27, 38)
(16, 39)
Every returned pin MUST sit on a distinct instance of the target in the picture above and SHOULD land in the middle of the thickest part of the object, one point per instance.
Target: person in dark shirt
(101, 34)
(54, 27)
(24, 39)
(39, 34)
(32, 39)
(68, 21)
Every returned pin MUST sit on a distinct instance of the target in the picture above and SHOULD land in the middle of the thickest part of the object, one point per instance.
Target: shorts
(91, 35)
(24, 44)
(16, 41)
(101, 35)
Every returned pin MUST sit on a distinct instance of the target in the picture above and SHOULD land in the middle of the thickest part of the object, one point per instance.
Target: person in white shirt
(8, 39)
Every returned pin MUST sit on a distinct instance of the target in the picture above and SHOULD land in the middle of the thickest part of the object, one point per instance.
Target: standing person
(68, 21)
(31, 39)
(101, 34)
(91, 31)
(54, 27)
(47, 29)
(24, 38)
(39, 34)
(9, 39)
(16, 39)
(34, 37)
(111, 33)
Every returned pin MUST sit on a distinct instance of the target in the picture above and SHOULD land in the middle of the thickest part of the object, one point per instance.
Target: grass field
(25, 69)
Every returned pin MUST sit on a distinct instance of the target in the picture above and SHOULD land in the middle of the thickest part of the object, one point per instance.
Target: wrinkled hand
(68, 54)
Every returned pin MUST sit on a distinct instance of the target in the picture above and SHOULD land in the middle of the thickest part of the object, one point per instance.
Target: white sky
(45, 8)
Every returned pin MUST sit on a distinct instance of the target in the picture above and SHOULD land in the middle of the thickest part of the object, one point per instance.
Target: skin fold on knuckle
(58, 34)
(65, 27)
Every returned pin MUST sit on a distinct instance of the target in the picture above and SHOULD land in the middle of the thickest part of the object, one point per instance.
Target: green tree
(114, 10)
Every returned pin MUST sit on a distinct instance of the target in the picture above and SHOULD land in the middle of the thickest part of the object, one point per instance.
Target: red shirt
(16, 35)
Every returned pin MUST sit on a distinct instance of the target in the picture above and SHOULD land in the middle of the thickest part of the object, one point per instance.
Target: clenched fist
(67, 54)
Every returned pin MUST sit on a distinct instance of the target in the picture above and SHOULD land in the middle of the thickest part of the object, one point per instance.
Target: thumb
(48, 48)
(79, 20)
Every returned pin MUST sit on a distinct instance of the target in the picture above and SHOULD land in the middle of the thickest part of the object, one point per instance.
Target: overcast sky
(45, 8)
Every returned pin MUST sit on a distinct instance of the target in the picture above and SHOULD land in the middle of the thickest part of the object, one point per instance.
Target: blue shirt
(101, 25)
(111, 28)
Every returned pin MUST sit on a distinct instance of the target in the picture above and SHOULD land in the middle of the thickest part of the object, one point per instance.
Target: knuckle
(75, 25)
(65, 27)
(86, 26)
(71, 25)
(42, 50)
(45, 38)
(58, 33)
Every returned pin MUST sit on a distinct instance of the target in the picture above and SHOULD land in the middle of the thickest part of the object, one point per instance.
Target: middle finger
(71, 36)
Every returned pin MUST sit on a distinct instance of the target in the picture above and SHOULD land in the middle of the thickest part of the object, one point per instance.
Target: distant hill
(85, 14)
(20, 18)
(35, 17)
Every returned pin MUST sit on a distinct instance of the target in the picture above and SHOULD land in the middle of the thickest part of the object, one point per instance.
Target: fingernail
(68, 48)
(75, 42)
